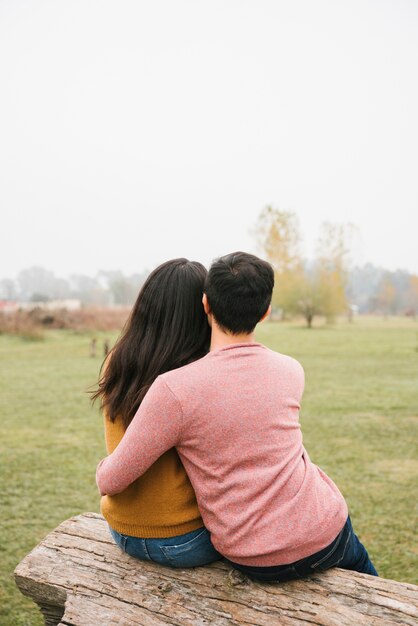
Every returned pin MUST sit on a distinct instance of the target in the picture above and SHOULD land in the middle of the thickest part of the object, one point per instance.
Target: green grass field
(359, 418)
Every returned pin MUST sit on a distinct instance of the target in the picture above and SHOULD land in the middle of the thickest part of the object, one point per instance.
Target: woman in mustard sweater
(157, 517)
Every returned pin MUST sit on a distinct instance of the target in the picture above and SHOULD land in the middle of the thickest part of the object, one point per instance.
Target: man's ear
(206, 305)
(266, 314)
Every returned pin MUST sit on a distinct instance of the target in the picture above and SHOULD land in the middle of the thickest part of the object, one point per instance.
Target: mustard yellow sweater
(161, 503)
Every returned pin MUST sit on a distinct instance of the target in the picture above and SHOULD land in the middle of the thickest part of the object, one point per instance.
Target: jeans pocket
(196, 551)
(334, 554)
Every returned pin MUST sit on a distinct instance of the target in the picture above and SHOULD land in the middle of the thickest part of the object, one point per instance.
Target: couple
(202, 426)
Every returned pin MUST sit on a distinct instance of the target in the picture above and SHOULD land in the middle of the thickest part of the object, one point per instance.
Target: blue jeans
(189, 550)
(345, 551)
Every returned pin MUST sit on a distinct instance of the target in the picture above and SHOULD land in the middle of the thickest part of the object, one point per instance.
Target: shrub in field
(91, 318)
(31, 324)
(21, 324)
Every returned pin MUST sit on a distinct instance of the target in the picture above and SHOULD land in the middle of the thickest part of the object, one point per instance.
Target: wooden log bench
(78, 577)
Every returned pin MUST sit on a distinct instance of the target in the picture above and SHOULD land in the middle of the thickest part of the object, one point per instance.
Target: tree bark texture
(78, 577)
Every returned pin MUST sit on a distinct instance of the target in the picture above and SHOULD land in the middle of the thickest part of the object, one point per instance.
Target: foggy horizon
(133, 133)
(146, 270)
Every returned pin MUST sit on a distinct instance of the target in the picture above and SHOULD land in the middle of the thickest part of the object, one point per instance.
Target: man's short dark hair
(239, 288)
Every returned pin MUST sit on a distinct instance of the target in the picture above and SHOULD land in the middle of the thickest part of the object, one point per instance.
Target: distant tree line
(324, 286)
(327, 285)
(107, 288)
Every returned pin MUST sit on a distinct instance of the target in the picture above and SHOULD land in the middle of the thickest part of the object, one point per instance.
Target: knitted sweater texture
(234, 418)
(160, 503)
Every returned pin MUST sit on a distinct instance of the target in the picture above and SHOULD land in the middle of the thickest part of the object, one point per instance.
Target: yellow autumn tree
(278, 237)
(412, 296)
(331, 269)
(300, 288)
(386, 296)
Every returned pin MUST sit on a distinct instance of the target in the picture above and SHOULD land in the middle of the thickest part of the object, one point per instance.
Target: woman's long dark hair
(166, 329)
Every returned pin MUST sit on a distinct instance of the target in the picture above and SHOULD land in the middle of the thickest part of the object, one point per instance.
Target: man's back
(260, 496)
(234, 418)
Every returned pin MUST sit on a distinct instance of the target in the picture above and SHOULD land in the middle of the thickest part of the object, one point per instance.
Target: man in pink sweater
(234, 418)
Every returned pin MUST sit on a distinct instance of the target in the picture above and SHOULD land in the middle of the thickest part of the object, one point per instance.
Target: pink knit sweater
(234, 418)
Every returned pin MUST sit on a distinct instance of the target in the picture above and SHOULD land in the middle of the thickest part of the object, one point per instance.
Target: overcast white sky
(136, 131)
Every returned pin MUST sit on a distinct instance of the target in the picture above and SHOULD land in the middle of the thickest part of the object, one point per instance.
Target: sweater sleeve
(154, 429)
